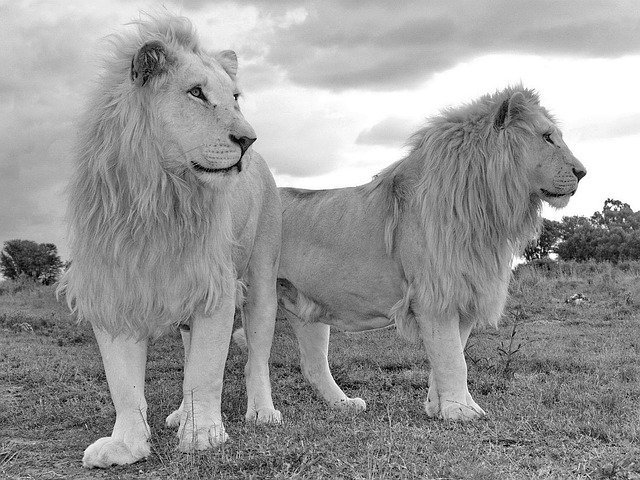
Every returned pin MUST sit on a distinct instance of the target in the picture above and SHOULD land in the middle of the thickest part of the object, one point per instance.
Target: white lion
(426, 245)
(170, 210)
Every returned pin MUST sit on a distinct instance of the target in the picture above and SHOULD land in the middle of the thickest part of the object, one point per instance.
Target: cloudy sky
(333, 88)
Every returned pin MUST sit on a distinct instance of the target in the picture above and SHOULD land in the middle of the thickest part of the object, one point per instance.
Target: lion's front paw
(202, 438)
(458, 411)
(472, 404)
(264, 415)
(173, 420)
(432, 406)
(108, 451)
(355, 405)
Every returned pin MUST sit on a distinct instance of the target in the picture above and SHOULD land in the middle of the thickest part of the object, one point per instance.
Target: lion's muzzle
(244, 142)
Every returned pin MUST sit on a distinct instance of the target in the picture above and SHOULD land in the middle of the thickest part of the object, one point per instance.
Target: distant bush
(611, 235)
(39, 261)
(20, 284)
(549, 268)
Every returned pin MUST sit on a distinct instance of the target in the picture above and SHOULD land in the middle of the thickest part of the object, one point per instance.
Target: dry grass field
(560, 382)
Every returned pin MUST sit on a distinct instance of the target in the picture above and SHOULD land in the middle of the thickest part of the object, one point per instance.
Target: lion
(427, 245)
(171, 213)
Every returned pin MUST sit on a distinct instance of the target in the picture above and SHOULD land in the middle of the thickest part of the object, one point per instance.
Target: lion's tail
(404, 318)
(240, 339)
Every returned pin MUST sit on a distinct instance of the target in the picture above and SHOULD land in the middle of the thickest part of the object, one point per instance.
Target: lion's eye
(197, 93)
(547, 138)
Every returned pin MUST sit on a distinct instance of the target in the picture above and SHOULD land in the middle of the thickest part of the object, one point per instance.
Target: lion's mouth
(547, 193)
(200, 168)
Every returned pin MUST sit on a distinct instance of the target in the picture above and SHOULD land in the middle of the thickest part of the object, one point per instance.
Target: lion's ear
(150, 60)
(508, 110)
(229, 61)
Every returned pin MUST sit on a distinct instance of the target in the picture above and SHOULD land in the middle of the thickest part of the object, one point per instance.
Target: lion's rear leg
(173, 420)
(448, 395)
(124, 362)
(313, 339)
(259, 318)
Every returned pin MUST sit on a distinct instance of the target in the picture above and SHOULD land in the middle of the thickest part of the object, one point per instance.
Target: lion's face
(202, 130)
(554, 171)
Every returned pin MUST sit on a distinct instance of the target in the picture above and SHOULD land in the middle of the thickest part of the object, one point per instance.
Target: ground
(559, 379)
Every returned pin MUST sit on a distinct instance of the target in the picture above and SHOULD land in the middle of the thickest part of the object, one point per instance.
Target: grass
(559, 380)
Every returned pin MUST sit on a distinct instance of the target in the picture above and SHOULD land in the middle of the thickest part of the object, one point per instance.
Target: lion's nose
(579, 173)
(244, 142)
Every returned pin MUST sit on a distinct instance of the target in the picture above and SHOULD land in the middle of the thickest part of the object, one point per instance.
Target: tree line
(611, 235)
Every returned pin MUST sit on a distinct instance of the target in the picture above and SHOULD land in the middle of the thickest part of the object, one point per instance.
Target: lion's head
(195, 98)
(553, 171)
(490, 164)
(160, 147)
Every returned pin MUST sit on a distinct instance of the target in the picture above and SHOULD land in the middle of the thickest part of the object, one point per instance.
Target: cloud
(47, 60)
(386, 45)
(298, 136)
(392, 131)
(624, 126)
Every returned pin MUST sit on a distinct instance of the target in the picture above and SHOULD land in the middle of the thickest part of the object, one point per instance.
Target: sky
(333, 88)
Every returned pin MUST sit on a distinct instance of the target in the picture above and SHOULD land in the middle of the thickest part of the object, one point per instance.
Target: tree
(612, 235)
(546, 242)
(616, 213)
(39, 261)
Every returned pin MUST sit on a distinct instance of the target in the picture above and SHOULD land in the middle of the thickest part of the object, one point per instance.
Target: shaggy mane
(150, 248)
(465, 180)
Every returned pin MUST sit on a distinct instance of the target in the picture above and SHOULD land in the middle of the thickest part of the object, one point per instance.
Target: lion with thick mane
(428, 244)
(170, 212)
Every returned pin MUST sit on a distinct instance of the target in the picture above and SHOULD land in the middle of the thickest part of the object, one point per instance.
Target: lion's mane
(148, 247)
(464, 179)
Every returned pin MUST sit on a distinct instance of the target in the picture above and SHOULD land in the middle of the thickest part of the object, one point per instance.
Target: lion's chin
(556, 200)
(233, 169)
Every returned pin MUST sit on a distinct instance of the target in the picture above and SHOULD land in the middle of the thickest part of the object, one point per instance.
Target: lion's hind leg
(124, 362)
(313, 339)
(258, 319)
(174, 419)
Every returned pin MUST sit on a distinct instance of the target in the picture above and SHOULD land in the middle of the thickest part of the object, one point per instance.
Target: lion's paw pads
(108, 451)
(202, 438)
(173, 420)
(264, 415)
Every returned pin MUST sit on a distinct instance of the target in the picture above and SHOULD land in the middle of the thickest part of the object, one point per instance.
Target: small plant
(508, 351)
(503, 363)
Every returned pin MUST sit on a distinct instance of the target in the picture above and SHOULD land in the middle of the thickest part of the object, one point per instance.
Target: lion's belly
(358, 323)
(352, 295)
(334, 253)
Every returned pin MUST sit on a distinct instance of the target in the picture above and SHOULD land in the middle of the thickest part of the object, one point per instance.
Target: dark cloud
(390, 45)
(48, 68)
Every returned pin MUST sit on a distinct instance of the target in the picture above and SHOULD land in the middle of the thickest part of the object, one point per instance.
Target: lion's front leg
(432, 404)
(448, 395)
(124, 362)
(201, 424)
